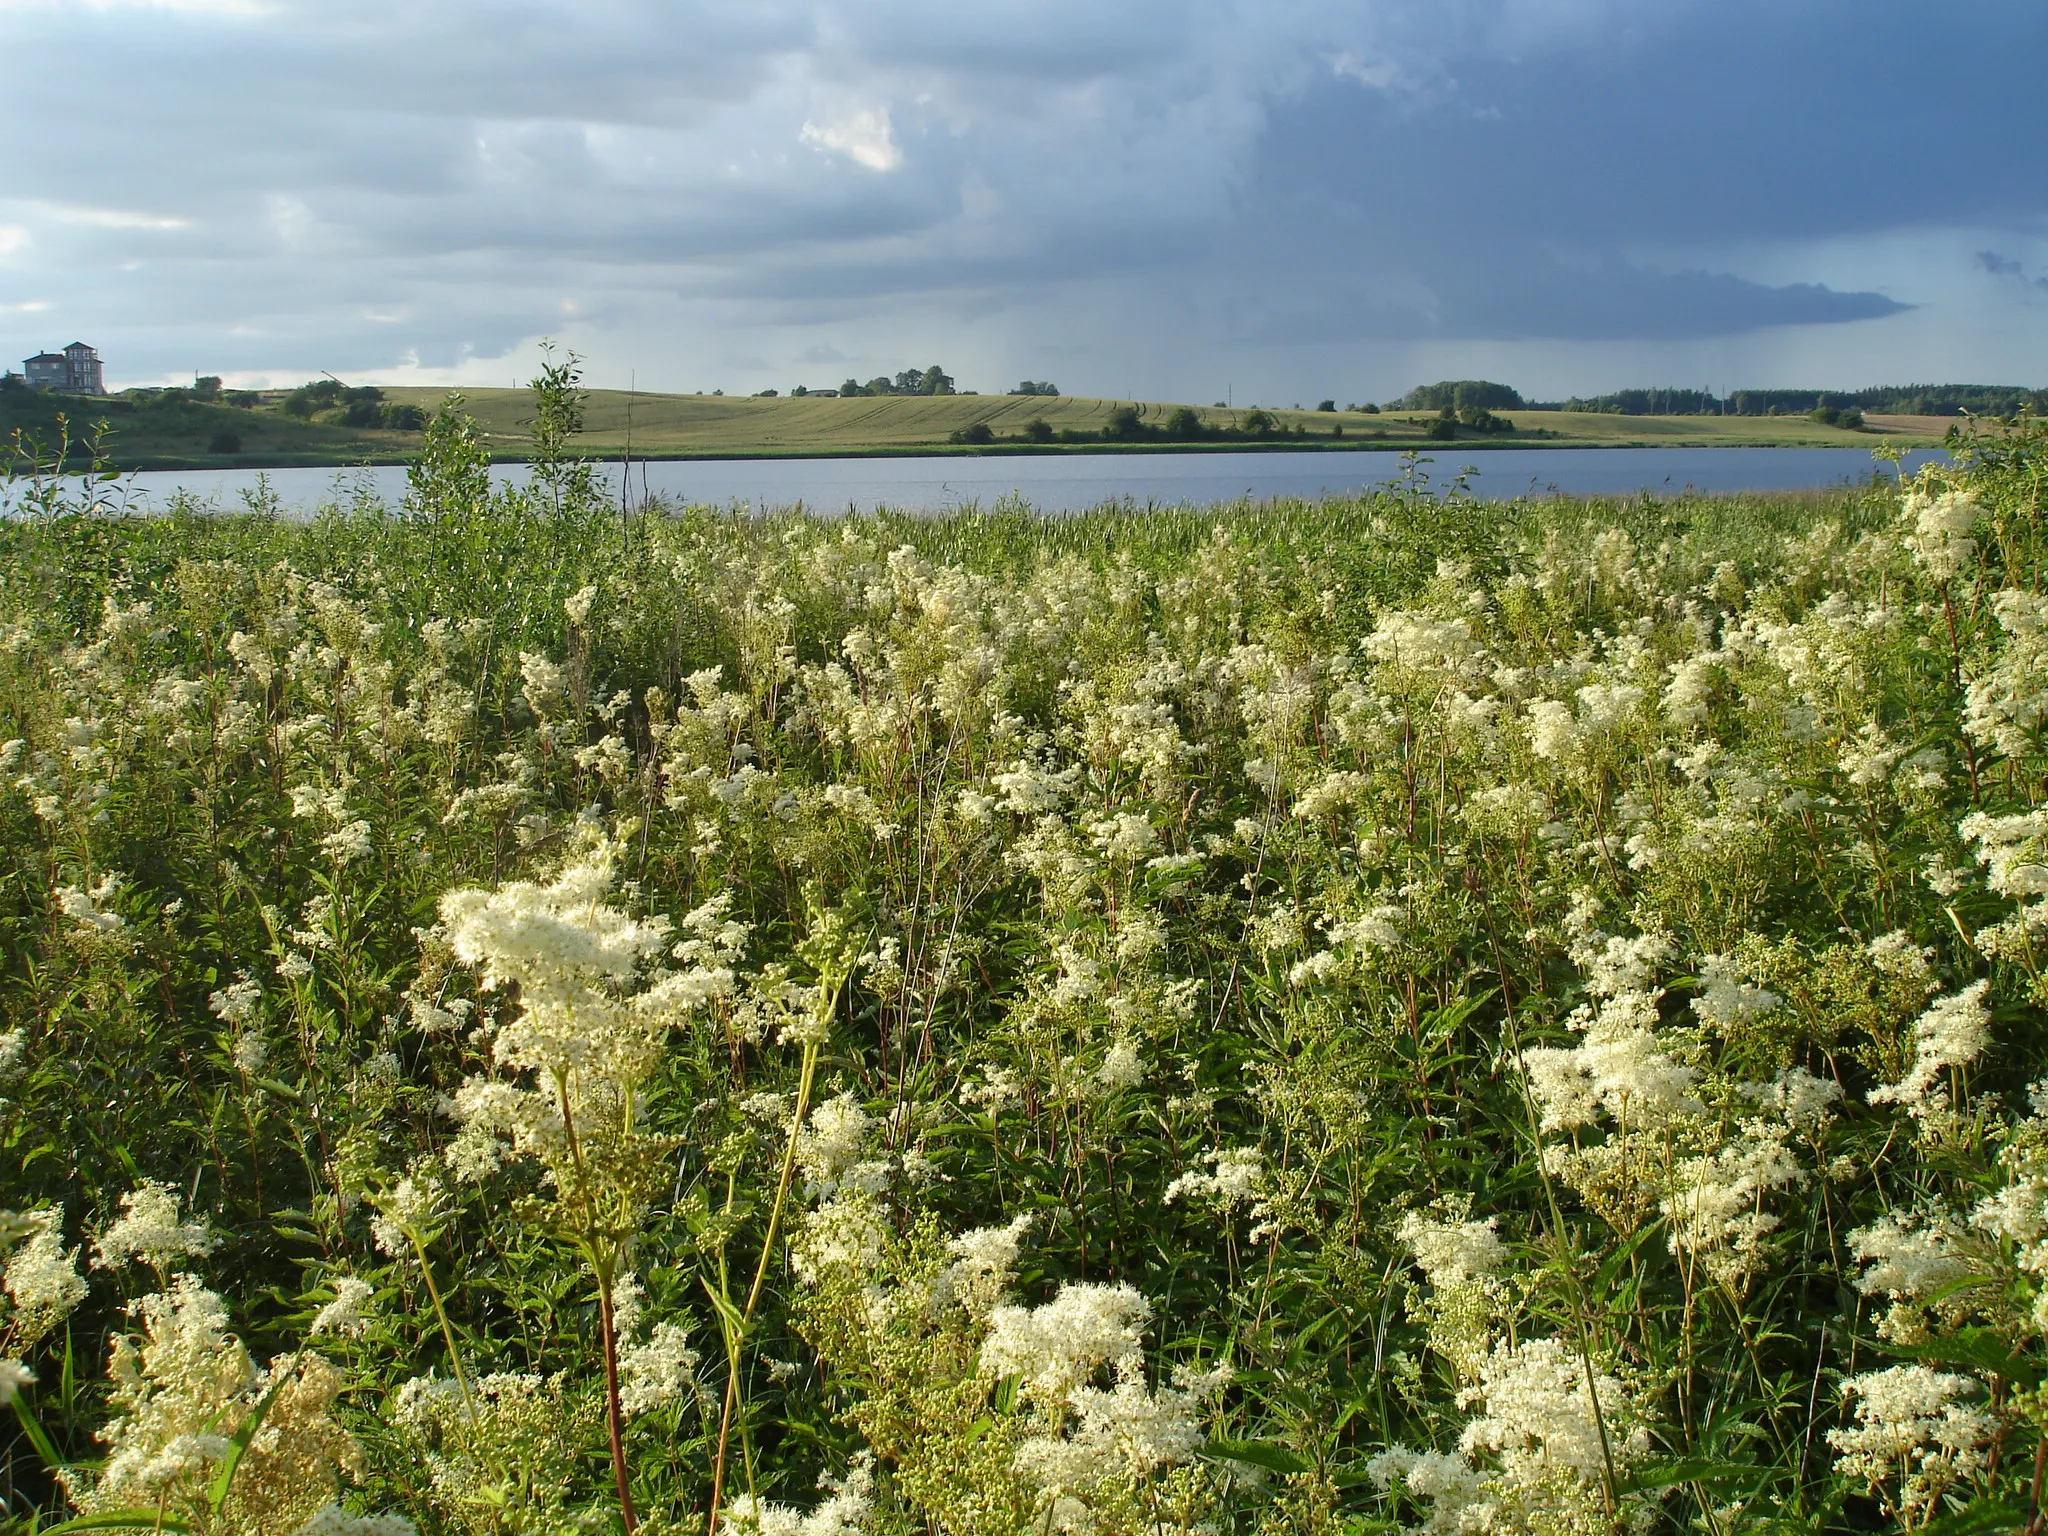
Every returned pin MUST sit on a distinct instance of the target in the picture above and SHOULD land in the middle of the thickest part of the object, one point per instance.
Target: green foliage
(1453, 394)
(1487, 974)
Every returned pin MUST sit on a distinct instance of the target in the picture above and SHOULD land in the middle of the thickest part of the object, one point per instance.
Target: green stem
(735, 1333)
(419, 1247)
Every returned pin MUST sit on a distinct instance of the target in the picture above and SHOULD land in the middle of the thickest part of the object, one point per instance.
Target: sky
(1266, 201)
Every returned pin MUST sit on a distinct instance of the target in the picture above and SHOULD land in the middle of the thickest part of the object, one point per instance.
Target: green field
(167, 432)
(1388, 1014)
(709, 426)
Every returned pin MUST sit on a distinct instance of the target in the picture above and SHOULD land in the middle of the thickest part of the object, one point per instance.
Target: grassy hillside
(150, 429)
(687, 425)
(163, 429)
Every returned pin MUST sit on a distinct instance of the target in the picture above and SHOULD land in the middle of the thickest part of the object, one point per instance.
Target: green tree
(1184, 425)
(1125, 424)
(450, 481)
(565, 484)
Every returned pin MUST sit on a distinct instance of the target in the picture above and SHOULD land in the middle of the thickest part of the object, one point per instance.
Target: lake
(1074, 482)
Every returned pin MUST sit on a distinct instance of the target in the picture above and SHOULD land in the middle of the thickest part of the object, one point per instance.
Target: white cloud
(13, 237)
(863, 136)
(187, 7)
(112, 218)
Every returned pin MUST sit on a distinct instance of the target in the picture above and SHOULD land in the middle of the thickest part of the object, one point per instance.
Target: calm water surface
(1074, 482)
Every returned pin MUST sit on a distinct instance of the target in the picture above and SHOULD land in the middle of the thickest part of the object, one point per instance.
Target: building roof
(78, 346)
(46, 357)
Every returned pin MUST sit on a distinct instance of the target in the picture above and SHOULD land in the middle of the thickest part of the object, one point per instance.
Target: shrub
(1126, 424)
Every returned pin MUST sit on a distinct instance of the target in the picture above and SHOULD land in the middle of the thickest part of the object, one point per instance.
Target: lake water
(1074, 482)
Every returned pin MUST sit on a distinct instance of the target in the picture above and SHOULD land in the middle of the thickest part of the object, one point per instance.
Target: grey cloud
(1254, 175)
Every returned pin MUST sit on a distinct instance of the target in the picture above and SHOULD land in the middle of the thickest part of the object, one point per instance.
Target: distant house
(74, 371)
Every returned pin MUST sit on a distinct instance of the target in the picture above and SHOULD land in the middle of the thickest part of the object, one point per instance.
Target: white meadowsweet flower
(90, 909)
(1061, 1345)
(660, 1370)
(834, 1138)
(982, 1263)
(1716, 1211)
(1376, 929)
(236, 1003)
(13, 1377)
(1907, 1260)
(1803, 1100)
(1727, 1000)
(1953, 1032)
(1452, 1251)
(149, 1229)
(1235, 1178)
(1125, 838)
(1912, 1420)
(1942, 525)
(842, 1513)
(345, 1314)
(42, 1279)
(333, 1520)
(252, 1052)
(1123, 1066)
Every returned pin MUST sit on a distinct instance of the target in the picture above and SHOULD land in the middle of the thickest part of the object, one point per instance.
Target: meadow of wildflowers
(1391, 1014)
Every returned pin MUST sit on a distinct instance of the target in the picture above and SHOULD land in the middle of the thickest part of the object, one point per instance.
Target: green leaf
(1699, 1469)
(121, 1520)
(1980, 1349)
(238, 1446)
(1256, 1453)
(1980, 1519)
(37, 1436)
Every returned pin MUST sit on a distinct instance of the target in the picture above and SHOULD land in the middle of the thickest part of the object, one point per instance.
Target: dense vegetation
(1288, 1019)
(1892, 400)
(912, 381)
(207, 425)
(1459, 394)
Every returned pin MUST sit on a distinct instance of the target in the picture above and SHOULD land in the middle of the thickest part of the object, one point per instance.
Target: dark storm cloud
(283, 185)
